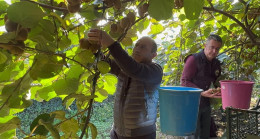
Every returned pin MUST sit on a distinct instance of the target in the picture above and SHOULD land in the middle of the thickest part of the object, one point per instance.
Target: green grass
(102, 115)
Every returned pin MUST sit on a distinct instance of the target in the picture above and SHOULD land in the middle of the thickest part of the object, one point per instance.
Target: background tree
(45, 53)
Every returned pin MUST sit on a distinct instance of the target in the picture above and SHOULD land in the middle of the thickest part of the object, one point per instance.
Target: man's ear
(154, 54)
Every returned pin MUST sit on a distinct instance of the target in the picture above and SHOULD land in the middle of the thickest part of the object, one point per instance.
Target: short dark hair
(214, 37)
(154, 45)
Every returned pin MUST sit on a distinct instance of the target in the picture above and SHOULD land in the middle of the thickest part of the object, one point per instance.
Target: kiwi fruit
(10, 26)
(73, 8)
(178, 4)
(140, 11)
(131, 17)
(145, 7)
(22, 34)
(94, 48)
(73, 2)
(124, 23)
(113, 28)
(84, 43)
(62, 4)
(88, 44)
(16, 49)
(109, 3)
(120, 30)
(117, 4)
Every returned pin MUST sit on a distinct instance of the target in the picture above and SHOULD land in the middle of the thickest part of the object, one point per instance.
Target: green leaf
(103, 67)
(8, 134)
(110, 81)
(11, 124)
(45, 66)
(48, 125)
(3, 7)
(89, 12)
(25, 13)
(193, 8)
(75, 71)
(10, 89)
(60, 20)
(127, 41)
(143, 24)
(207, 31)
(59, 114)
(103, 92)
(4, 111)
(64, 42)
(182, 17)
(156, 29)
(248, 63)
(40, 130)
(15, 101)
(3, 58)
(160, 9)
(70, 127)
(7, 37)
(85, 56)
(66, 86)
(93, 130)
(46, 93)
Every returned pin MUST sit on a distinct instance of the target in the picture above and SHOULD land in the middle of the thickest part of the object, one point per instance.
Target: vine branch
(251, 35)
(90, 105)
(48, 6)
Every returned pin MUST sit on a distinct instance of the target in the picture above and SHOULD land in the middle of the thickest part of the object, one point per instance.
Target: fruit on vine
(16, 49)
(73, 8)
(73, 5)
(84, 43)
(94, 48)
(109, 3)
(89, 45)
(73, 2)
(120, 30)
(143, 9)
(22, 34)
(113, 28)
(124, 23)
(62, 4)
(117, 4)
(131, 17)
(10, 26)
(178, 4)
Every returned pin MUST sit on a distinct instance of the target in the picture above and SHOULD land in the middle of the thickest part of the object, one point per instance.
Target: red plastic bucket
(236, 94)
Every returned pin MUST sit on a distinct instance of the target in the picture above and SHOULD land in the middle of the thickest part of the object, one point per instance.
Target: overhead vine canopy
(44, 52)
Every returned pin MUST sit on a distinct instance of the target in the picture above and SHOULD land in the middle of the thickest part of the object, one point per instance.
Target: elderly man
(200, 71)
(136, 97)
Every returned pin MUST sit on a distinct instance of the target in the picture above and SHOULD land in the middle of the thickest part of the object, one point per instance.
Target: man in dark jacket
(200, 71)
(136, 96)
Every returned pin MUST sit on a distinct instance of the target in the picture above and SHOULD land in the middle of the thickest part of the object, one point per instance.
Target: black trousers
(113, 135)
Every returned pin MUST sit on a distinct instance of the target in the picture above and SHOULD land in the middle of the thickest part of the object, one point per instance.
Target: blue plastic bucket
(179, 108)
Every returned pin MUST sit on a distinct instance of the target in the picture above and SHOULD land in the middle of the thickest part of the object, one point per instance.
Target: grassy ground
(102, 117)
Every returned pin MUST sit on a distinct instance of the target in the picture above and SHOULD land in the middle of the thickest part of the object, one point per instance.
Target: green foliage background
(49, 63)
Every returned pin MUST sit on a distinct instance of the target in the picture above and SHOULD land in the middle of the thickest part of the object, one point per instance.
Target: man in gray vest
(136, 97)
(200, 70)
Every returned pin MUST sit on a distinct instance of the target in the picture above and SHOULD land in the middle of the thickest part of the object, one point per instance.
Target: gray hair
(154, 45)
(214, 37)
